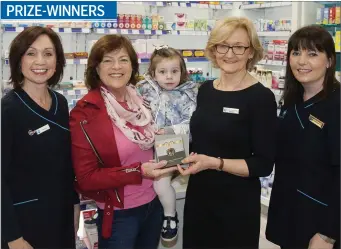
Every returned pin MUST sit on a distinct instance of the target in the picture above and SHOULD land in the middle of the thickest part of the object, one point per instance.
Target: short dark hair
(104, 45)
(167, 53)
(312, 37)
(22, 42)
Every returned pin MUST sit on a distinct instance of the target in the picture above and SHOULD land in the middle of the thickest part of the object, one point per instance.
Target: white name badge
(42, 129)
(230, 110)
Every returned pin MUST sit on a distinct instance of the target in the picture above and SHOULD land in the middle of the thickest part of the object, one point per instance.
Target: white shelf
(77, 61)
(265, 201)
(265, 5)
(58, 30)
(181, 4)
(274, 33)
(149, 32)
(73, 92)
(272, 63)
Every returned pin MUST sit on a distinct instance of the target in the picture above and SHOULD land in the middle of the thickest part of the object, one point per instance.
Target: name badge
(39, 131)
(316, 121)
(230, 110)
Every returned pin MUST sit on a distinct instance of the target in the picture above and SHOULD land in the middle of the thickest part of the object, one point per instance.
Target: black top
(235, 125)
(37, 175)
(306, 190)
(231, 125)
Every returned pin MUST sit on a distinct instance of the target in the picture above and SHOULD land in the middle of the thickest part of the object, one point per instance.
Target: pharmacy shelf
(68, 61)
(148, 32)
(265, 5)
(272, 63)
(181, 4)
(77, 61)
(187, 59)
(72, 92)
(58, 30)
(274, 33)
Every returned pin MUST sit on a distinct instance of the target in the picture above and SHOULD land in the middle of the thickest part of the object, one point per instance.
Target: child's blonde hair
(167, 53)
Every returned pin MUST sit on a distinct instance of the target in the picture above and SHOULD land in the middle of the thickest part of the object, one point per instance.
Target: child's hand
(160, 132)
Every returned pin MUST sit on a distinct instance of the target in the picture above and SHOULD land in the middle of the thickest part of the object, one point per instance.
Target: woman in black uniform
(233, 132)
(38, 200)
(304, 209)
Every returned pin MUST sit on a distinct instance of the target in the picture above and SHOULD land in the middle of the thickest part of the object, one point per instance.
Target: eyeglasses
(237, 50)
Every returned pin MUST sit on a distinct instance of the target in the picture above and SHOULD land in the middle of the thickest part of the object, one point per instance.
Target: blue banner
(58, 10)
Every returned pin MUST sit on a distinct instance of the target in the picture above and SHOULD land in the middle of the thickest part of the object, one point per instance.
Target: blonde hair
(222, 32)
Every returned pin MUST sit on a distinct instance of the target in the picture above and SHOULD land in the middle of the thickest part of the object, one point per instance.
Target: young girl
(172, 99)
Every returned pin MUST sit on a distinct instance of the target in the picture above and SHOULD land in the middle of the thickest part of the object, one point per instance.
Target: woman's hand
(317, 242)
(161, 132)
(19, 244)
(198, 163)
(152, 169)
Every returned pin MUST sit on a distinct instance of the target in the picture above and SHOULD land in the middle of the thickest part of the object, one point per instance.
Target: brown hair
(167, 53)
(104, 45)
(223, 30)
(312, 37)
(22, 42)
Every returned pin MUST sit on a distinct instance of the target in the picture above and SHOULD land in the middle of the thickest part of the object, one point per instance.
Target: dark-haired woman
(304, 208)
(38, 199)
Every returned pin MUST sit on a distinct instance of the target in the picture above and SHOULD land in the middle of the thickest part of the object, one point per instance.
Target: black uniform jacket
(37, 193)
(305, 197)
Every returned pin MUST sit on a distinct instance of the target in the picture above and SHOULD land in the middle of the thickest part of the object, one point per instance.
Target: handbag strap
(91, 144)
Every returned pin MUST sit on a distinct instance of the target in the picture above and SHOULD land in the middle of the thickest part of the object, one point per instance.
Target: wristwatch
(327, 239)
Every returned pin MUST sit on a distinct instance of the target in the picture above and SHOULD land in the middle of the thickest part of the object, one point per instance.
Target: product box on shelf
(338, 41)
(81, 55)
(338, 15)
(140, 46)
(319, 15)
(325, 15)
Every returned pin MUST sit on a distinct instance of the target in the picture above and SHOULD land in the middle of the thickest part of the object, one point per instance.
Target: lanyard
(41, 115)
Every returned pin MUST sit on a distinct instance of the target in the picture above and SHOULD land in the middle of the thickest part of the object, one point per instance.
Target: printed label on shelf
(159, 3)
(112, 31)
(175, 4)
(266, 5)
(124, 31)
(194, 5)
(185, 59)
(69, 61)
(71, 92)
(148, 32)
(158, 32)
(174, 32)
(83, 61)
(182, 4)
(67, 30)
(100, 31)
(278, 63)
(218, 7)
(84, 91)
(203, 6)
(136, 32)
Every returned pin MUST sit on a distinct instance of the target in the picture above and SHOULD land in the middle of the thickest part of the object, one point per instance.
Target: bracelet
(221, 166)
(327, 239)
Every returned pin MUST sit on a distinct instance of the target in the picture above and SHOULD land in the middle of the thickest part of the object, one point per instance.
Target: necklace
(235, 85)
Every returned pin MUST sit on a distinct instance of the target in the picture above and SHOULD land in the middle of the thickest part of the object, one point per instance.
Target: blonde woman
(233, 136)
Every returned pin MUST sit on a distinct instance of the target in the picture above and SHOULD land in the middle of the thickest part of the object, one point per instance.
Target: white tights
(166, 193)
